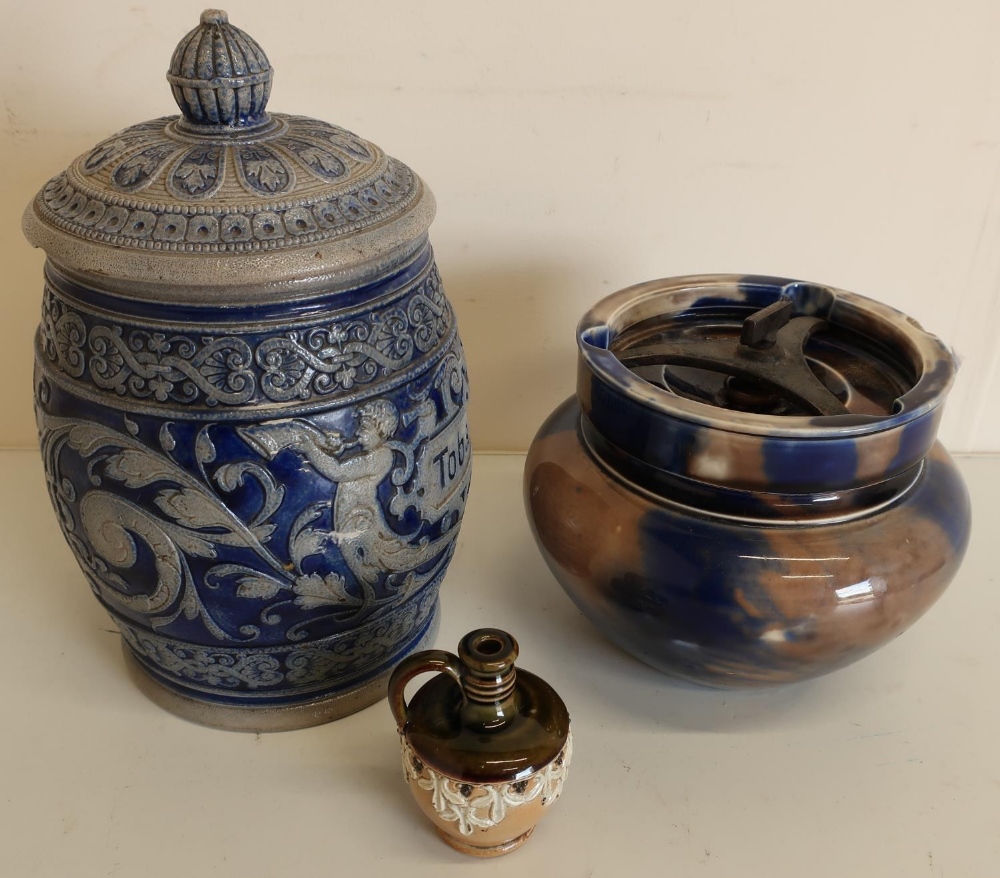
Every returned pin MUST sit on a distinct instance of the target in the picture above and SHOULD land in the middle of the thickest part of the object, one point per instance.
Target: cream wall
(578, 148)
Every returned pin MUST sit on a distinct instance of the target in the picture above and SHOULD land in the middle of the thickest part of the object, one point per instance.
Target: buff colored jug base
(485, 851)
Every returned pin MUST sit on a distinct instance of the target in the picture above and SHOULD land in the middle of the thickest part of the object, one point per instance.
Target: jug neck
(487, 657)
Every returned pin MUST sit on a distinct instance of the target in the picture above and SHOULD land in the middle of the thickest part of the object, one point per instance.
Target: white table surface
(888, 768)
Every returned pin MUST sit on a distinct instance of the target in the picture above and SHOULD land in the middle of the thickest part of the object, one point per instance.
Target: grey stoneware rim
(237, 279)
(933, 362)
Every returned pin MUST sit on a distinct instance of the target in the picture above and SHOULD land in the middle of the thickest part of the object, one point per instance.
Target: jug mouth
(875, 380)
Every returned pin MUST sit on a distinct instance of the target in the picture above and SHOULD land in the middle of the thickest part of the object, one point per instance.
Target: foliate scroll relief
(171, 367)
(63, 335)
(159, 540)
(337, 356)
(245, 368)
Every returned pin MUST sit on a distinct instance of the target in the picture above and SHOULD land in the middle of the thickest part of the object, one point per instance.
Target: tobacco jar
(251, 397)
(486, 746)
(747, 488)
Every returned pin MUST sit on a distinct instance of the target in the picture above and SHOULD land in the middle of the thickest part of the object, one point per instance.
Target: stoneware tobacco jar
(746, 489)
(486, 747)
(251, 397)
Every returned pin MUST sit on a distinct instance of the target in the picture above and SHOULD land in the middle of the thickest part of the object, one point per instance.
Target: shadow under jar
(747, 489)
(251, 397)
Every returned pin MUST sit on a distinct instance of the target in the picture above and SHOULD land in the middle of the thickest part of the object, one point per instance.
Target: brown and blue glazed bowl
(758, 518)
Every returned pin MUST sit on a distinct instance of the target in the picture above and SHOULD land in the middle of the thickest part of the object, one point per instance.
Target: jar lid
(760, 384)
(229, 201)
(767, 355)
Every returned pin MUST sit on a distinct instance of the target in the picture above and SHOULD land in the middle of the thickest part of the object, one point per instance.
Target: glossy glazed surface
(721, 601)
(449, 738)
(486, 819)
(486, 746)
(734, 449)
(746, 489)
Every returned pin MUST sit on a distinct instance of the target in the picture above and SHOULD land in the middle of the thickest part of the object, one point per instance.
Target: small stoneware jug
(486, 747)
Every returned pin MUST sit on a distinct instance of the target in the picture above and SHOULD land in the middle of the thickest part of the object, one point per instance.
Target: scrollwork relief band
(245, 367)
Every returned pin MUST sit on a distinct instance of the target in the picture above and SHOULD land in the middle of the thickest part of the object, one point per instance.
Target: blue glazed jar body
(265, 498)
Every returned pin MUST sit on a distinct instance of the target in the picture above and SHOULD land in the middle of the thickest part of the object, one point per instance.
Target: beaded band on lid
(243, 304)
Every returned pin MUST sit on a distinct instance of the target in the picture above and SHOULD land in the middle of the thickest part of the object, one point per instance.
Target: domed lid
(227, 201)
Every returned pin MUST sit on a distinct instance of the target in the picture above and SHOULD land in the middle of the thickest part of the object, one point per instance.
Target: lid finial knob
(215, 16)
(220, 76)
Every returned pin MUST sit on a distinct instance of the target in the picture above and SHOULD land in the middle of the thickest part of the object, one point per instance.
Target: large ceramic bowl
(742, 502)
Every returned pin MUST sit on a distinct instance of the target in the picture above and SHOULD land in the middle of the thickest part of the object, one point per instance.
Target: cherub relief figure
(360, 530)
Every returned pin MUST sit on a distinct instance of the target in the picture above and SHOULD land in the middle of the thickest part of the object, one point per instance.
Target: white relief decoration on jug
(485, 805)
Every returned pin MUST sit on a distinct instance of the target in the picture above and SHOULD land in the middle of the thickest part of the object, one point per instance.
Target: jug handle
(423, 662)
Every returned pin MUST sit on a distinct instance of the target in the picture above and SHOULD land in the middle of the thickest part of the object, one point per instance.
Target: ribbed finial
(220, 76)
